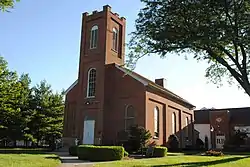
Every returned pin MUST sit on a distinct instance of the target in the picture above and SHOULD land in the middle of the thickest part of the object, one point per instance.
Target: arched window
(93, 37)
(129, 117)
(156, 122)
(115, 39)
(187, 125)
(91, 82)
(173, 123)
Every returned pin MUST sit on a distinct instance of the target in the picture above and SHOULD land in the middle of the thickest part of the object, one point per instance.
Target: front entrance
(220, 139)
(88, 132)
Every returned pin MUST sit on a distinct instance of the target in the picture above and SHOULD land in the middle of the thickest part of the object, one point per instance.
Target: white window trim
(115, 42)
(173, 123)
(94, 28)
(156, 122)
(88, 83)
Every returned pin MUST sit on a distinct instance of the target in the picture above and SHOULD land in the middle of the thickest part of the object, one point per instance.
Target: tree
(5, 4)
(215, 31)
(47, 117)
(14, 103)
(173, 143)
(138, 137)
(10, 113)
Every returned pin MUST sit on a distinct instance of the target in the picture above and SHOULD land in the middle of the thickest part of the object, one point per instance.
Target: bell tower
(102, 42)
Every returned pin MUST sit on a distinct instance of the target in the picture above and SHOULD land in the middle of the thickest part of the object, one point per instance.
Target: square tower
(102, 43)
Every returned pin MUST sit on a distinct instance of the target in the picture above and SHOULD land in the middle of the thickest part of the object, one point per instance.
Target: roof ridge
(154, 84)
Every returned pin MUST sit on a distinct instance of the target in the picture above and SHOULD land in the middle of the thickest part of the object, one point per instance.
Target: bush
(138, 138)
(160, 151)
(126, 154)
(173, 143)
(100, 153)
(199, 144)
(213, 153)
(73, 150)
(206, 142)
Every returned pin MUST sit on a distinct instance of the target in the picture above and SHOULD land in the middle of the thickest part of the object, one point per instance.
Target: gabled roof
(146, 82)
(149, 83)
(71, 86)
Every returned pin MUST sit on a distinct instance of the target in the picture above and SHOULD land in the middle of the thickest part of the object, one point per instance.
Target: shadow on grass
(24, 151)
(53, 157)
(207, 163)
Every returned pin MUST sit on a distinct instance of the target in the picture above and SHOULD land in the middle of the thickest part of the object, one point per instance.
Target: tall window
(93, 37)
(91, 82)
(156, 122)
(173, 123)
(115, 39)
(187, 122)
(129, 117)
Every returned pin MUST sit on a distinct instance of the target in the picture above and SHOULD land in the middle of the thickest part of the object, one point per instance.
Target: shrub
(206, 142)
(213, 153)
(138, 138)
(199, 143)
(160, 151)
(173, 143)
(100, 153)
(126, 154)
(73, 150)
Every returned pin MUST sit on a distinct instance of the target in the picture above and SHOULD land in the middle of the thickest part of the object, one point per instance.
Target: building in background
(107, 98)
(220, 125)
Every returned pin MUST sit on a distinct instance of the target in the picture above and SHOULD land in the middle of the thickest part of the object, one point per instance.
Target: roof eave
(191, 106)
(71, 87)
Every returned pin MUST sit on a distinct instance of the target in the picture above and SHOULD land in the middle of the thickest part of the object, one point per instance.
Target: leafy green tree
(6, 4)
(173, 143)
(10, 112)
(47, 120)
(138, 137)
(214, 31)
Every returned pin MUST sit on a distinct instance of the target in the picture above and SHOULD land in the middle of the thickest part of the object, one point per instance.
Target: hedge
(100, 153)
(160, 151)
(73, 150)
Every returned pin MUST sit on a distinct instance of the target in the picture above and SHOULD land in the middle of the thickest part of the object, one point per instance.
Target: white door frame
(219, 141)
(88, 132)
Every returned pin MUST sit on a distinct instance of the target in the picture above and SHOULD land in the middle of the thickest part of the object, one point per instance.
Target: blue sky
(42, 38)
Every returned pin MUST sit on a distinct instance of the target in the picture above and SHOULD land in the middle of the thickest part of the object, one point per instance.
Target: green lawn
(183, 161)
(28, 160)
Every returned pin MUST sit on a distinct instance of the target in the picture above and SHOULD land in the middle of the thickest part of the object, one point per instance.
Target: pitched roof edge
(154, 85)
(71, 86)
(222, 109)
(173, 95)
(127, 72)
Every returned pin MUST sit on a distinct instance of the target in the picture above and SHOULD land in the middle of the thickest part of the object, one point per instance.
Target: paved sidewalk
(72, 161)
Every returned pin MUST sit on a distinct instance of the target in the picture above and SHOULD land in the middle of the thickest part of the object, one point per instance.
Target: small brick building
(107, 98)
(220, 124)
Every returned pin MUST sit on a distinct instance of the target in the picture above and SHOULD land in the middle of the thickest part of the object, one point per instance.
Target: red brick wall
(121, 91)
(168, 106)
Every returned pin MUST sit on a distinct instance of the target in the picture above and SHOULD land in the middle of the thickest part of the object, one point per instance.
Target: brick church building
(107, 98)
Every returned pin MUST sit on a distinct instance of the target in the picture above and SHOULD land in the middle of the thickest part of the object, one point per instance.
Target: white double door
(89, 132)
(220, 140)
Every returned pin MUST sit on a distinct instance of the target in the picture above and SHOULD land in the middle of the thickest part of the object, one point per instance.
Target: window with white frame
(173, 123)
(156, 122)
(94, 37)
(129, 117)
(115, 39)
(91, 87)
(187, 126)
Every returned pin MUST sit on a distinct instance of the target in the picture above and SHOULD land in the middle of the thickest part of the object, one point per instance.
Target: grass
(29, 160)
(180, 160)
